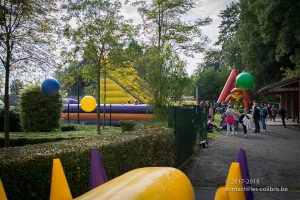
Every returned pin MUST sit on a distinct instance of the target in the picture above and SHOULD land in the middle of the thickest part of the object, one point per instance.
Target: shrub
(127, 125)
(39, 113)
(14, 121)
(17, 142)
(26, 171)
(68, 127)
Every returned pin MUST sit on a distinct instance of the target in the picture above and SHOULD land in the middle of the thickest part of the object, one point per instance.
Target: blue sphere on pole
(50, 87)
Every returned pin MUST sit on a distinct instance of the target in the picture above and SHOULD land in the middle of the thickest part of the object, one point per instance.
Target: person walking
(269, 112)
(236, 120)
(230, 113)
(274, 113)
(263, 116)
(256, 117)
(282, 112)
(244, 119)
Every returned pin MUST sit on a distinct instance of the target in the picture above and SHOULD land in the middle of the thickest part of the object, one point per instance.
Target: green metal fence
(189, 123)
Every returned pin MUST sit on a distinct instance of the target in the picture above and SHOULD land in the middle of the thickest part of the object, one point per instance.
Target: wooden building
(289, 93)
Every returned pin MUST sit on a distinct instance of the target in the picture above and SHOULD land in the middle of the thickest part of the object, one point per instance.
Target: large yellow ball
(88, 103)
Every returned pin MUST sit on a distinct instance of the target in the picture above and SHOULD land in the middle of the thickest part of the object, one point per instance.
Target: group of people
(231, 118)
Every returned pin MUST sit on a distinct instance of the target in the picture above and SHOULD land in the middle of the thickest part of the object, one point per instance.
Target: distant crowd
(231, 117)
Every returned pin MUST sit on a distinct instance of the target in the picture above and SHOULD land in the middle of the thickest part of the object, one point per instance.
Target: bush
(26, 171)
(127, 125)
(68, 127)
(14, 121)
(39, 113)
(17, 142)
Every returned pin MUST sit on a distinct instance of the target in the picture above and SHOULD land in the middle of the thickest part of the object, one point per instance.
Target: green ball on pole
(244, 81)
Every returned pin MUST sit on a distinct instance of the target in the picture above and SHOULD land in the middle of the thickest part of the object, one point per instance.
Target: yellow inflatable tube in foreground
(145, 183)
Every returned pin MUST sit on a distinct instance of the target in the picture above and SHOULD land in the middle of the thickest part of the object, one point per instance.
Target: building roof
(286, 85)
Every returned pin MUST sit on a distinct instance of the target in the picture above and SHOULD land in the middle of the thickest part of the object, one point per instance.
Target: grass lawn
(24, 138)
(217, 120)
(81, 131)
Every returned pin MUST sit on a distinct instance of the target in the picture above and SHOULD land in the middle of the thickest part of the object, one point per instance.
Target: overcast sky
(204, 8)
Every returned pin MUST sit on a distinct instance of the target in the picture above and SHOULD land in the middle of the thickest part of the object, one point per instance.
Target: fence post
(176, 137)
(110, 114)
(68, 112)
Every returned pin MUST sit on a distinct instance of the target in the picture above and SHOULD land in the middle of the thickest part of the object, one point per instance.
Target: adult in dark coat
(256, 117)
(282, 112)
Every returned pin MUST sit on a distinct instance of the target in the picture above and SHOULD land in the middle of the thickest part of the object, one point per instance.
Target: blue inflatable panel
(70, 101)
(114, 108)
(91, 122)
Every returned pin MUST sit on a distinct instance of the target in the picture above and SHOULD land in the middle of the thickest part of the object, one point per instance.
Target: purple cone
(242, 159)
(97, 174)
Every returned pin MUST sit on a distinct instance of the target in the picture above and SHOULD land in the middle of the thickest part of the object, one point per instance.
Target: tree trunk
(104, 108)
(6, 106)
(159, 27)
(98, 96)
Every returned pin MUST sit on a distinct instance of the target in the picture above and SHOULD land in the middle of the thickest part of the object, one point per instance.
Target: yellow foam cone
(2, 192)
(59, 186)
(234, 183)
(221, 194)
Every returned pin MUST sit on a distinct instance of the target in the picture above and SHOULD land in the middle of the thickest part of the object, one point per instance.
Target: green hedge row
(14, 120)
(26, 171)
(17, 142)
(40, 113)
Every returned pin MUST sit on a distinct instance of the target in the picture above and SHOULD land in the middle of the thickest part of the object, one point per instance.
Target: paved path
(273, 158)
(278, 122)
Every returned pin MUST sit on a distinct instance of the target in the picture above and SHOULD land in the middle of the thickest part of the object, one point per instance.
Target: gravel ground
(273, 158)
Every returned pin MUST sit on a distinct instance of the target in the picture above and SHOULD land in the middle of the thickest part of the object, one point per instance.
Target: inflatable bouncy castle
(125, 99)
(125, 96)
(236, 89)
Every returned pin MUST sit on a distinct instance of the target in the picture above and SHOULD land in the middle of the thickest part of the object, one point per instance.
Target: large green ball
(244, 81)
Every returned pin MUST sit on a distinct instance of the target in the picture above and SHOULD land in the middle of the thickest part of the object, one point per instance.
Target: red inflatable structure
(228, 85)
(232, 94)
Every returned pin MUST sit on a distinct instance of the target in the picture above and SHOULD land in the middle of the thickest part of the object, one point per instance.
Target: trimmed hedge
(17, 142)
(40, 113)
(67, 127)
(26, 171)
(127, 125)
(14, 121)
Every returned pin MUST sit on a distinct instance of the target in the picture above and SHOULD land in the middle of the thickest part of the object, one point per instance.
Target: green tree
(258, 56)
(163, 19)
(231, 49)
(212, 59)
(279, 23)
(210, 82)
(268, 38)
(165, 78)
(99, 36)
(25, 40)
(168, 35)
(71, 76)
(288, 73)
(16, 87)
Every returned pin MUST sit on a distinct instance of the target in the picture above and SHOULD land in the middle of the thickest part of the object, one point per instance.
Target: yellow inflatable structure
(159, 183)
(59, 186)
(115, 94)
(234, 189)
(221, 194)
(234, 182)
(123, 85)
(2, 192)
